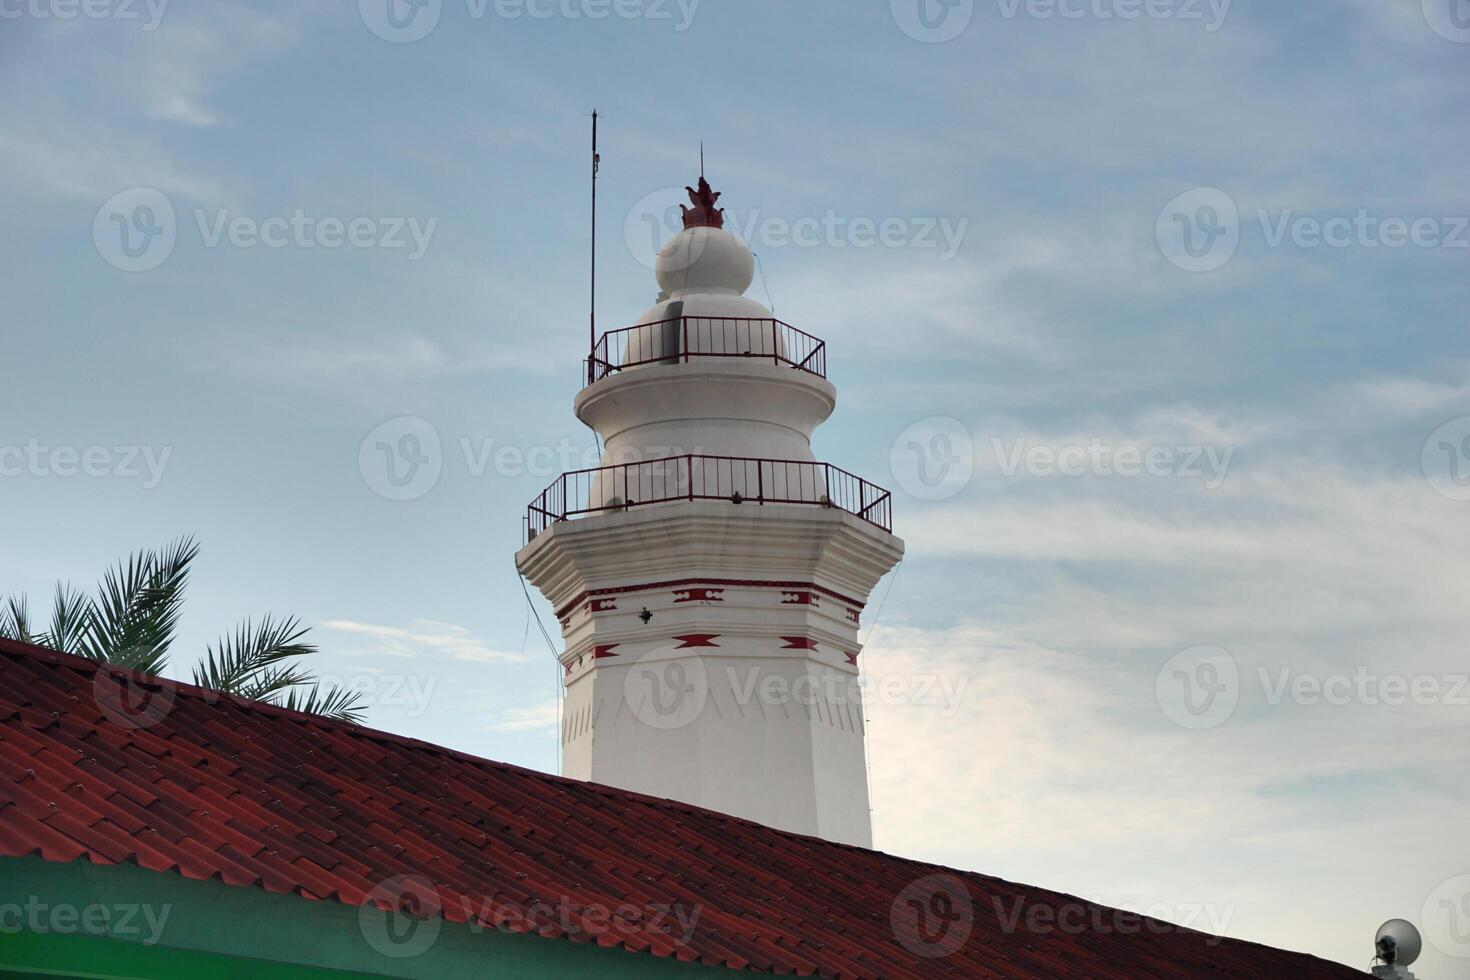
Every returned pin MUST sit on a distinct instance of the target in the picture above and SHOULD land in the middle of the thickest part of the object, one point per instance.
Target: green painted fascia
(55, 955)
(210, 930)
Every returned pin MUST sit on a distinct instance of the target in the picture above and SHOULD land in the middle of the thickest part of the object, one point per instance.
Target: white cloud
(1308, 559)
(529, 718)
(424, 637)
(172, 73)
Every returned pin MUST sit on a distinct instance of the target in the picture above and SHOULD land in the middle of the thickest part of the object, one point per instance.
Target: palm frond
(15, 620)
(137, 608)
(268, 684)
(339, 703)
(71, 618)
(252, 664)
(240, 663)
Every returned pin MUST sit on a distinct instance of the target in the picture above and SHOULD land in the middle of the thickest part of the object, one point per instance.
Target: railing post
(760, 484)
(775, 348)
(627, 500)
(684, 325)
(689, 472)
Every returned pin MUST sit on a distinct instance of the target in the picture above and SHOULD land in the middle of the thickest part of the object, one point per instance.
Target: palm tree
(131, 624)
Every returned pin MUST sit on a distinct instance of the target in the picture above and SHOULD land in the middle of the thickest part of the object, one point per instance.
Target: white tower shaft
(710, 577)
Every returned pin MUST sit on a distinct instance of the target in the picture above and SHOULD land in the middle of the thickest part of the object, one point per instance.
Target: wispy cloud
(528, 718)
(423, 638)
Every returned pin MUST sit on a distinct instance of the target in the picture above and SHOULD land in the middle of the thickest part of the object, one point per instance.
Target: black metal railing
(683, 338)
(736, 479)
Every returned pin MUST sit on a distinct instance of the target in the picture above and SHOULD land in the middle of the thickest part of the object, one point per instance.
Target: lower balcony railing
(735, 479)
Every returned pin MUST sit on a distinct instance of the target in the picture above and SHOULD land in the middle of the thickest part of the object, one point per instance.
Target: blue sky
(1099, 239)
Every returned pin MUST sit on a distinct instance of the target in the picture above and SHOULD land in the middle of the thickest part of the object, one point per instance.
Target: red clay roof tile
(211, 786)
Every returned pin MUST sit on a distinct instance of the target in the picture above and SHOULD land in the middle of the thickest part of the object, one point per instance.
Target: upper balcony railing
(683, 338)
(736, 479)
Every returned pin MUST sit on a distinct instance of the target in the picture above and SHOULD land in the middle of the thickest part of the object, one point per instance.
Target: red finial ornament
(704, 214)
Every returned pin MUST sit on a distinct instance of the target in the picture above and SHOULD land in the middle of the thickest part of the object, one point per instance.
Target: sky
(1152, 315)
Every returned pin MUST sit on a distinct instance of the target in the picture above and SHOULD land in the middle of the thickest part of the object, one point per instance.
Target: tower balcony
(684, 338)
(737, 480)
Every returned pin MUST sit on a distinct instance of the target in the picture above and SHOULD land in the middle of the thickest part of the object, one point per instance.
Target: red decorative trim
(799, 643)
(799, 598)
(851, 657)
(696, 640)
(703, 213)
(699, 595)
(604, 650)
(853, 615)
(568, 667)
(602, 605)
(728, 582)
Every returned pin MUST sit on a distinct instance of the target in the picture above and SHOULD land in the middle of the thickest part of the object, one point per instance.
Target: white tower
(711, 574)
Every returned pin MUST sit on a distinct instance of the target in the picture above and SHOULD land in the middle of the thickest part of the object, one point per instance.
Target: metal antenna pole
(592, 299)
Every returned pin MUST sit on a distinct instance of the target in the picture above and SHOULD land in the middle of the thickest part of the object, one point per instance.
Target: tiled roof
(208, 786)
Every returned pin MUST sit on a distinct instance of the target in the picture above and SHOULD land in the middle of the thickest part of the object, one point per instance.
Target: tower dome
(705, 269)
(704, 260)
